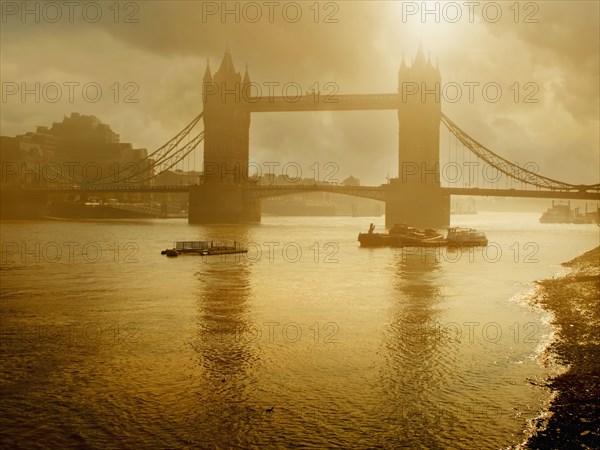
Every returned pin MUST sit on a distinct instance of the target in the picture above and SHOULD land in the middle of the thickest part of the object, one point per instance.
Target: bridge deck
(374, 192)
(104, 188)
(566, 195)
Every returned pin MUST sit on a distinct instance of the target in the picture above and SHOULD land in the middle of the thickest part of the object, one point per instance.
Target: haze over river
(106, 341)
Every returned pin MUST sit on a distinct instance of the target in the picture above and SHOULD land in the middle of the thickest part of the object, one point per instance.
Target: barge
(561, 213)
(204, 248)
(402, 235)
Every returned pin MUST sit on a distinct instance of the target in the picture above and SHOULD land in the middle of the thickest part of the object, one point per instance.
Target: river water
(106, 343)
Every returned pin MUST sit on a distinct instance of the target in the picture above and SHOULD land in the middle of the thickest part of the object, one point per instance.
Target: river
(107, 343)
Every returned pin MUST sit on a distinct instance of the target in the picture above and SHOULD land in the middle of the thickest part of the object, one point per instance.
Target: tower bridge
(221, 197)
(228, 195)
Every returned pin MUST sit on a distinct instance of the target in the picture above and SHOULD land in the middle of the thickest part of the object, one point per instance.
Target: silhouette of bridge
(258, 192)
(227, 194)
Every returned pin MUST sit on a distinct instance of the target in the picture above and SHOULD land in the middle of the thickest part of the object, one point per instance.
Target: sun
(432, 23)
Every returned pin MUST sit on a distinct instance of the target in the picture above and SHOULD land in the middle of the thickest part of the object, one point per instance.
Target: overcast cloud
(165, 55)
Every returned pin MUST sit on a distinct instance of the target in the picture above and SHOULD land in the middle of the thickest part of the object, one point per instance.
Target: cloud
(165, 52)
(566, 37)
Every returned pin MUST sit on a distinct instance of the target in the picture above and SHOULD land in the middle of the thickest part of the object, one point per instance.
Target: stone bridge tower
(415, 197)
(220, 199)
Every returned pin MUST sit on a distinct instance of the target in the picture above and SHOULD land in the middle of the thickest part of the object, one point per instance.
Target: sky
(543, 56)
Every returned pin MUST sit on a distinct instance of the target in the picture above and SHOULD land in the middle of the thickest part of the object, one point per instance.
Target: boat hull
(405, 236)
(383, 240)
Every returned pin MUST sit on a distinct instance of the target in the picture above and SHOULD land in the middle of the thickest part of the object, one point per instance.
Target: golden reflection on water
(410, 376)
(178, 351)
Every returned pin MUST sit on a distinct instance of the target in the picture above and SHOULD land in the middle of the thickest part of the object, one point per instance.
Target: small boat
(401, 235)
(466, 237)
(370, 239)
(204, 248)
(170, 252)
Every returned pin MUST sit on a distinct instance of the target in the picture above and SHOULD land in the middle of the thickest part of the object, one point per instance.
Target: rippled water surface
(106, 341)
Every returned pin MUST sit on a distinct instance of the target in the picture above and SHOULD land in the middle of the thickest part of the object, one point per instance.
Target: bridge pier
(420, 205)
(222, 203)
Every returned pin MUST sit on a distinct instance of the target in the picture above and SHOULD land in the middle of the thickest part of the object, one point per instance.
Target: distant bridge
(256, 191)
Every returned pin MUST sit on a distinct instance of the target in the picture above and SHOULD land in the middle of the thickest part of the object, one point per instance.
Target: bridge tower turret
(226, 148)
(416, 197)
(226, 124)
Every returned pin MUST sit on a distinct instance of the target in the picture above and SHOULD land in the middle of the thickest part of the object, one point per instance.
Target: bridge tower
(220, 198)
(415, 197)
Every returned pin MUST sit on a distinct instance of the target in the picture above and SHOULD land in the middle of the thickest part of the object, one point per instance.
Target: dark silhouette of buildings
(70, 148)
(79, 150)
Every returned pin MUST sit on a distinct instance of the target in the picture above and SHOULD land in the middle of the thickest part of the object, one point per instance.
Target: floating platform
(204, 248)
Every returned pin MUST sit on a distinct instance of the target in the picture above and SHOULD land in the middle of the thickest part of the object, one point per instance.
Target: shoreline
(574, 301)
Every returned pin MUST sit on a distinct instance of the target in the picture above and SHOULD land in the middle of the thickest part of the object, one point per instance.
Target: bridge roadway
(378, 192)
(564, 195)
(255, 192)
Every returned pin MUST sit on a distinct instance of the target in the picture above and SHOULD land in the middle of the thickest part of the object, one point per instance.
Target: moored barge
(204, 248)
(402, 235)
